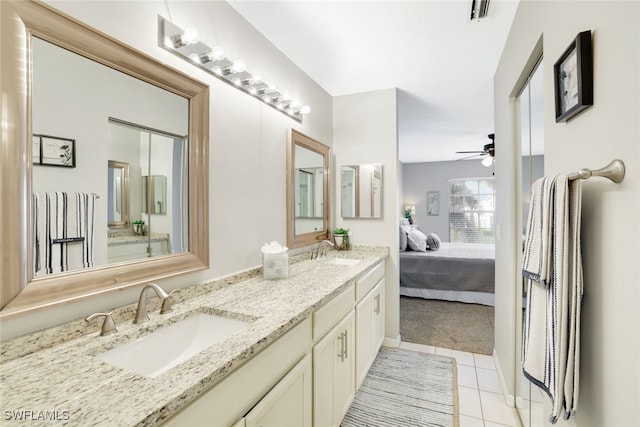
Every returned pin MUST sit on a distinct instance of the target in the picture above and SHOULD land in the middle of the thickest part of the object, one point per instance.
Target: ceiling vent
(479, 9)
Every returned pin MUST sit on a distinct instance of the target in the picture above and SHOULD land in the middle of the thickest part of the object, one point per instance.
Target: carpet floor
(446, 324)
(406, 389)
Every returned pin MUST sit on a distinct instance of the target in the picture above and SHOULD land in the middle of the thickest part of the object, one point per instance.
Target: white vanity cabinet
(288, 403)
(268, 383)
(333, 373)
(369, 320)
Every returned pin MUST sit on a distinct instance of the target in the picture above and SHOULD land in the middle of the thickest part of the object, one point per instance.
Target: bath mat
(406, 388)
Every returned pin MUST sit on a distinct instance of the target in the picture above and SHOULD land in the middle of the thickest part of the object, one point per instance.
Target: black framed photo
(54, 151)
(573, 78)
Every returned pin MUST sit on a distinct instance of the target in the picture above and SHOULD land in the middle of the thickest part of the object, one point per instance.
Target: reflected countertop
(129, 239)
(56, 369)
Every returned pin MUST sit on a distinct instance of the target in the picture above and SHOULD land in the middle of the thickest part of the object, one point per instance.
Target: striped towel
(537, 256)
(551, 341)
(63, 225)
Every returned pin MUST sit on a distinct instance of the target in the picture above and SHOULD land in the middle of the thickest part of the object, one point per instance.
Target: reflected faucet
(141, 312)
(321, 251)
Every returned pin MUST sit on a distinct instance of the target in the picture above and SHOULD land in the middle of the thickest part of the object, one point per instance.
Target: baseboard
(392, 342)
(509, 399)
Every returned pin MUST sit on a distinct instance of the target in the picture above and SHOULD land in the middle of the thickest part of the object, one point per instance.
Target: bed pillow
(433, 241)
(417, 240)
(403, 239)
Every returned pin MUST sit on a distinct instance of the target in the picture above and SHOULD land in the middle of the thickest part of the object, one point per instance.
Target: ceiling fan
(488, 152)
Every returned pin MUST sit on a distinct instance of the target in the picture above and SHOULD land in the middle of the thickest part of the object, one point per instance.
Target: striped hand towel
(537, 253)
(63, 225)
(551, 341)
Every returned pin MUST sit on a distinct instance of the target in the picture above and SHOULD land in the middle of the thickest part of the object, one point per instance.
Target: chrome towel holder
(613, 171)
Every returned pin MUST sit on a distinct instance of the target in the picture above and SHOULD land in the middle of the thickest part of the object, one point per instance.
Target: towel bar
(613, 171)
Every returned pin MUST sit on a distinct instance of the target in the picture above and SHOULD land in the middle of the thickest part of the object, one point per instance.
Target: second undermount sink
(342, 261)
(167, 347)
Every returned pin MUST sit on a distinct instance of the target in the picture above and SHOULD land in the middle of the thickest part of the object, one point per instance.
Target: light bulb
(216, 54)
(237, 67)
(487, 161)
(305, 109)
(190, 36)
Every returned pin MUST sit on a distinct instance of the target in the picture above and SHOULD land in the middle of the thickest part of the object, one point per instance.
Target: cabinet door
(345, 379)
(378, 317)
(288, 403)
(364, 327)
(333, 373)
(370, 330)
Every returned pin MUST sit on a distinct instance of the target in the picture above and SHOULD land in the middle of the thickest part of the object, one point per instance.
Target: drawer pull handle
(346, 345)
(341, 337)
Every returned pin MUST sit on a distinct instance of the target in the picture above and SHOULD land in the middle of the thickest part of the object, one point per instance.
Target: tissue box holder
(275, 266)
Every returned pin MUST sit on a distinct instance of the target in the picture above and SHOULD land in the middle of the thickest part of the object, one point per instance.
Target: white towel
(63, 225)
(551, 339)
(537, 253)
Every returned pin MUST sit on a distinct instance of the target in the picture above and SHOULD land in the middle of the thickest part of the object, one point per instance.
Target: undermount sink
(342, 261)
(161, 350)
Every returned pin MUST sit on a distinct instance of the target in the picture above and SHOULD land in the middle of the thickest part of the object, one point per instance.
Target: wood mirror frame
(20, 291)
(295, 240)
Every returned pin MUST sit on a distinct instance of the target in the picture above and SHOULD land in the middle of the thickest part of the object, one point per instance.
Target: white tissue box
(275, 266)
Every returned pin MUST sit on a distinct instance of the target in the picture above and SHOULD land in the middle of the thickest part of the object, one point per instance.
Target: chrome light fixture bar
(186, 44)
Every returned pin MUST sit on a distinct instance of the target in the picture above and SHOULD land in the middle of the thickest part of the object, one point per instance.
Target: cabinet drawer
(327, 316)
(369, 280)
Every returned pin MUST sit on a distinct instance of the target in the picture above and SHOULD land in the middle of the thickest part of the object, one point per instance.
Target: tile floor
(480, 399)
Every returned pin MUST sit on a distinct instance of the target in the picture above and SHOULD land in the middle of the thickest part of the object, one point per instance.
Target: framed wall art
(54, 151)
(573, 78)
(433, 203)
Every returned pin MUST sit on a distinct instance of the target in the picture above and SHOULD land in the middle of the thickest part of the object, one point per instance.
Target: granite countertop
(54, 373)
(128, 239)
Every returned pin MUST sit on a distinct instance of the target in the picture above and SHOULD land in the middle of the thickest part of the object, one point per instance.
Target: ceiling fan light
(487, 161)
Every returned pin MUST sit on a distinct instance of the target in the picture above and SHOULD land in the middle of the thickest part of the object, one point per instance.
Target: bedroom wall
(248, 139)
(366, 131)
(609, 371)
(434, 176)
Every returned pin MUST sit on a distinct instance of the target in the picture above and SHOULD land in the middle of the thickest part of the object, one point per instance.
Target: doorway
(530, 106)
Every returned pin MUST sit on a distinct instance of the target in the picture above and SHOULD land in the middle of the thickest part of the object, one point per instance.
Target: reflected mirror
(154, 194)
(118, 194)
(308, 190)
(361, 191)
(78, 79)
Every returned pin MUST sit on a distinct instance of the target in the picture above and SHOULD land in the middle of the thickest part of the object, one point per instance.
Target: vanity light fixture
(186, 44)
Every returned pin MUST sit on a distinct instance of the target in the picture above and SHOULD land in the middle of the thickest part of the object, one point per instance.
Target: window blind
(472, 210)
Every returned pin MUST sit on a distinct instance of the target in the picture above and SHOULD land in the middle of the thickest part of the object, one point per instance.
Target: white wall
(365, 131)
(419, 178)
(248, 139)
(609, 372)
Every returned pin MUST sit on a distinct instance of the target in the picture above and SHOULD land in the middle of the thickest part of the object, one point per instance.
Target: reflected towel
(551, 341)
(63, 225)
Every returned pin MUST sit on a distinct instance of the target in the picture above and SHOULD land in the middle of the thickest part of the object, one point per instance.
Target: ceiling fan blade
(465, 152)
(475, 155)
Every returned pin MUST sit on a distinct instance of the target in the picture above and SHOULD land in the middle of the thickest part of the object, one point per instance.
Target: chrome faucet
(141, 311)
(321, 250)
(108, 326)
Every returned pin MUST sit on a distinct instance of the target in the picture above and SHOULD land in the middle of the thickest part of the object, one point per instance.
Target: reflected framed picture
(573, 78)
(53, 151)
(433, 203)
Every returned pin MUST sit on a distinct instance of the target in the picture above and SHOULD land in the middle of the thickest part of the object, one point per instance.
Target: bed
(462, 272)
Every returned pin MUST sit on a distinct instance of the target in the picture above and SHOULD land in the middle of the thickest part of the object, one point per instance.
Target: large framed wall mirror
(131, 117)
(307, 190)
(361, 191)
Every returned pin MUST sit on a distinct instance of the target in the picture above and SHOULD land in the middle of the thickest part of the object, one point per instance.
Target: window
(472, 210)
